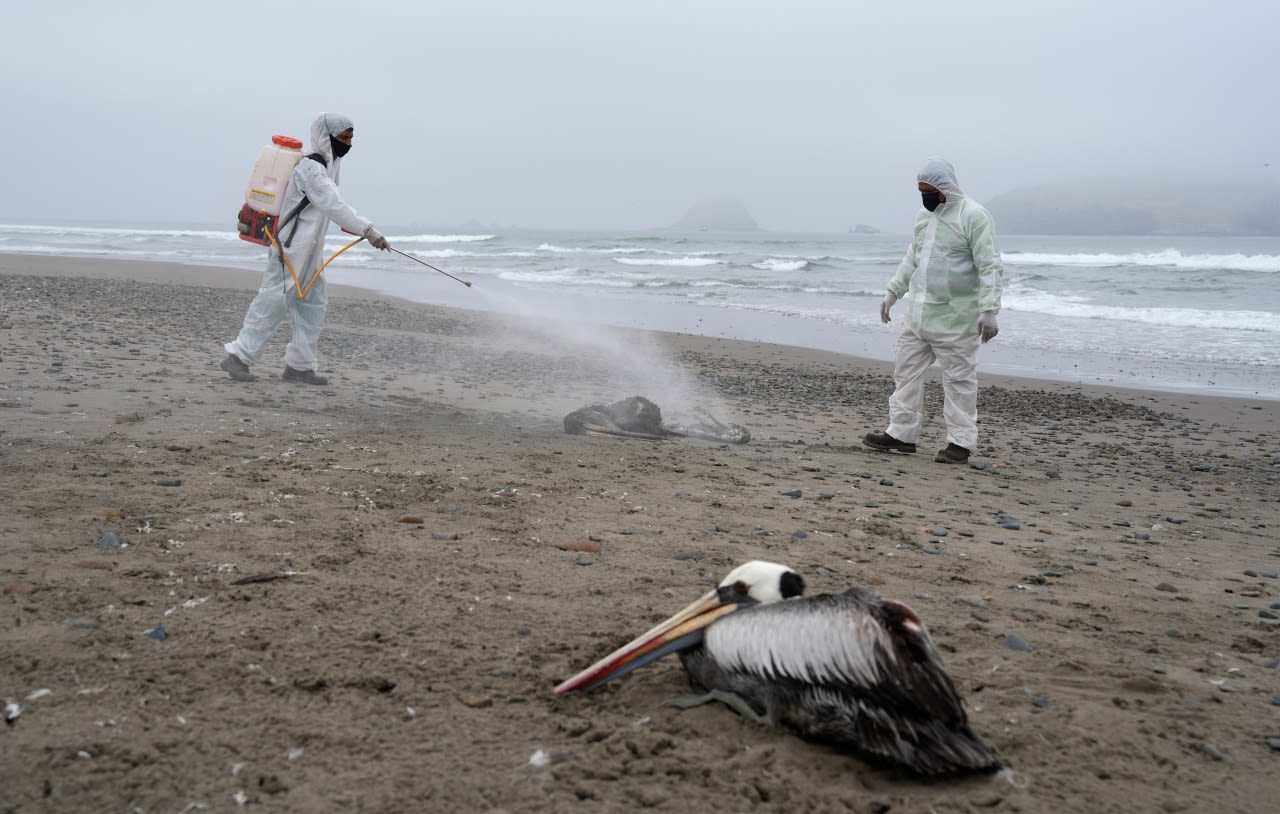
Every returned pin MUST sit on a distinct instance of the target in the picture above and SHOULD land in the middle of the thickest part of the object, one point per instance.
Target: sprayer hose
(302, 293)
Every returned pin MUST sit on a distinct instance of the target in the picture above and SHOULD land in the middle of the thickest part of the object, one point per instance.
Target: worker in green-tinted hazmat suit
(315, 179)
(952, 280)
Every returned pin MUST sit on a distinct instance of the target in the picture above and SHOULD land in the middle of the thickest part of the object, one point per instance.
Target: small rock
(972, 600)
(1167, 588)
(158, 633)
(412, 519)
(1273, 741)
(583, 561)
(793, 493)
(1141, 535)
(939, 532)
(1212, 751)
(443, 535)
(167, 482)
(930, 548)
(1015, 642)
(109, 540)
(1266, 614)
(477, 701)
(799, 535)
(1124, 502)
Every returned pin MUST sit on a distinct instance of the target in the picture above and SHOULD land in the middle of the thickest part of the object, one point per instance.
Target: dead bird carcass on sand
(637, 417)
(853, 669)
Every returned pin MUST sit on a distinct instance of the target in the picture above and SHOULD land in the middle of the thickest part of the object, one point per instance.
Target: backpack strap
(297, 210)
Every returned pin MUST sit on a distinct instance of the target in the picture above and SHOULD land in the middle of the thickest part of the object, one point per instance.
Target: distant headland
(1161, 207)
(717, 216)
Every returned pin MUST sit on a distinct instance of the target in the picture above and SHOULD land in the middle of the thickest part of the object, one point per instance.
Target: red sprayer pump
(264, 194)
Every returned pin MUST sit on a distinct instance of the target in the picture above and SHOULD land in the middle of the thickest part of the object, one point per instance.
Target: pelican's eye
(734, 592)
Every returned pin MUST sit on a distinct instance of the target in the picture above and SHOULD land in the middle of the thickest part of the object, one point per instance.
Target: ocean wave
(1076, 307)
(441, 238)
(93, 231)
(780, 264)
(689, 262)
(444, 253)
(1171, 258)
(566, 276)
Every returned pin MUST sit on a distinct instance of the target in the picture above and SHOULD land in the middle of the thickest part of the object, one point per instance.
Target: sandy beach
(358, 597)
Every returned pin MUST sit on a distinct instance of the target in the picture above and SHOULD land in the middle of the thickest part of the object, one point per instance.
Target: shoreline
(1240, 408)
(360, 596)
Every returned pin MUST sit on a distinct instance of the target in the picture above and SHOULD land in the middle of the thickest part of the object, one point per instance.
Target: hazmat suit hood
(939, 173)
(326, 125)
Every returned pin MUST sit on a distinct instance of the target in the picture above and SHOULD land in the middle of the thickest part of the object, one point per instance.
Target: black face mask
(932, 200)
(339, 148)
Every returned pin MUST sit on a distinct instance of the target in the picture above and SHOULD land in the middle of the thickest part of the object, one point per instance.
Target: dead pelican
(852, 669)
(638, 417)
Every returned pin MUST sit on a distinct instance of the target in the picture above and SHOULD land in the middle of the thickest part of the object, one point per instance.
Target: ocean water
(1188, 314)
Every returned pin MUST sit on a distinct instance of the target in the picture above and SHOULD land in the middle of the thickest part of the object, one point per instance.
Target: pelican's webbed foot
(735, 702)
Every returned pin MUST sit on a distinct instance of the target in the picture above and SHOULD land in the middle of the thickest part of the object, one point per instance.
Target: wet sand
(368, 589)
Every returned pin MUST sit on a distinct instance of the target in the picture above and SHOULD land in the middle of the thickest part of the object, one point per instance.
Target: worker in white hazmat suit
(952, 280)
(316, 181)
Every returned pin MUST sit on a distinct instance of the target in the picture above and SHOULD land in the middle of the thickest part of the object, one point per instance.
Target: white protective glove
(886, 304)
(375, 238)
(987, 325)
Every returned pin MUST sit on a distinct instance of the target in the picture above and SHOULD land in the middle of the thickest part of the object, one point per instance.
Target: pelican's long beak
(677, 633)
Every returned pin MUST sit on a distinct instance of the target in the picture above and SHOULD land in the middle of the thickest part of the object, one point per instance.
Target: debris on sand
(639, 418)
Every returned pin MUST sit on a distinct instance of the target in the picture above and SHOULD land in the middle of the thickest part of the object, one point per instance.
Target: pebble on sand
(1015, 642)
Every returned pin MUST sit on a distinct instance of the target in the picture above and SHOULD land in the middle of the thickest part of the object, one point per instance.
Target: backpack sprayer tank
(264, 194)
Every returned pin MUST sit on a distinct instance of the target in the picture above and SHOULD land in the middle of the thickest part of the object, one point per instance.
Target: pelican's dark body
(854, 669)
(884, 694)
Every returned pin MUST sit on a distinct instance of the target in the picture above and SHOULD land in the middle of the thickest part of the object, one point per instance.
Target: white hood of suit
(326, 125)
(939, 173)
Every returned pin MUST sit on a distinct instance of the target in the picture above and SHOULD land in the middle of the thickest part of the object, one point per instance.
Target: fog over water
(814, 115)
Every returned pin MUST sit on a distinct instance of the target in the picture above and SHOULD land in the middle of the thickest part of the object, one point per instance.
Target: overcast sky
(815, 114)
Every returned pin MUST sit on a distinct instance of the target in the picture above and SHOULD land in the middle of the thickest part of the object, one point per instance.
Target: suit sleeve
(901, 279)
(986, 258)
(323, 194)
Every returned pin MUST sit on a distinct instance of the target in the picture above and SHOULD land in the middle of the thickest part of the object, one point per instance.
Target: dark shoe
(302, 376)
(238, 370)
(887, 443)
(953, 454)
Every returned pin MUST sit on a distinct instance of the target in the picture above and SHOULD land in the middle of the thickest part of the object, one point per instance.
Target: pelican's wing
(853, 643)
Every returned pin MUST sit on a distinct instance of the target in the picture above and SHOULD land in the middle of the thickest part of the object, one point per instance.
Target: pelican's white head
(761, 581)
